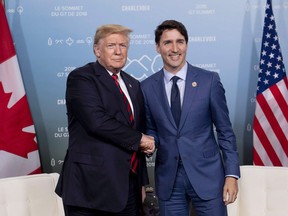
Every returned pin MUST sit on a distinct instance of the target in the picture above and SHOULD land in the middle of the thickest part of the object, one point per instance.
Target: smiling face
(173, 48)
(112, 51)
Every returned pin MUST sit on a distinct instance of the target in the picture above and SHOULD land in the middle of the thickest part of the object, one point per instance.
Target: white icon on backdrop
(50, 41)
(52, 162)
(89, 40)
(142, 62)
(69, 41)
(20, 10)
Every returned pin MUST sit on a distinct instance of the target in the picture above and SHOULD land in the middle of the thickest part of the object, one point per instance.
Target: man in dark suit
(191, 163)
(105, 166)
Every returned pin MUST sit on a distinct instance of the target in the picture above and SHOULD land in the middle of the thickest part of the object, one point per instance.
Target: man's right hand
(147, 144)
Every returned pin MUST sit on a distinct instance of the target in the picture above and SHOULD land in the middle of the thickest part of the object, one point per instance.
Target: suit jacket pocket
(87, 159)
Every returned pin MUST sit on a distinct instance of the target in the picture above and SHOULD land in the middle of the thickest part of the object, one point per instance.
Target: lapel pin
(130, 85)
(194, 84)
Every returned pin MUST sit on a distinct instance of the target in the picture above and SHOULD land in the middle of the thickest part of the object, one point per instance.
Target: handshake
(147, 144)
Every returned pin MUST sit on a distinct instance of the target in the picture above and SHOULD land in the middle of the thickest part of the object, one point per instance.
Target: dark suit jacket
(95, 172)
(204, 105)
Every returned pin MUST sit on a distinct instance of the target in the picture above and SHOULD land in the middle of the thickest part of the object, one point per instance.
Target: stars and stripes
(270, 130)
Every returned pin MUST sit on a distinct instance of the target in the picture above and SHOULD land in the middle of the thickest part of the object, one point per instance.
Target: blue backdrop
(52, 37)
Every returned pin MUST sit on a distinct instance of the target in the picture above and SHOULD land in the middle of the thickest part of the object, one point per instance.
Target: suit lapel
(189, 93)
(160, 92)
(107, 81)
(132, 93)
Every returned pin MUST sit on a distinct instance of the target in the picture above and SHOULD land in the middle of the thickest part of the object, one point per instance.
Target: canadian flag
(19, 153)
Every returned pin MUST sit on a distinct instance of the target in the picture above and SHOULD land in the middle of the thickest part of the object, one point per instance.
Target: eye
(123, 46)
(181, 41)
(110, 46)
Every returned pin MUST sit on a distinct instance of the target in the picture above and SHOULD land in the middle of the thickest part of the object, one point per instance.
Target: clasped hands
(147, 144)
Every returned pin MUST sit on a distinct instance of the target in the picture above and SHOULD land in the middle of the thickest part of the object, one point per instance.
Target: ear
(97, 51)
(157, 48)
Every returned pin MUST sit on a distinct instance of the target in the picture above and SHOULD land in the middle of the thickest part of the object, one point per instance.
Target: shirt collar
(181, 73)
(117, 74)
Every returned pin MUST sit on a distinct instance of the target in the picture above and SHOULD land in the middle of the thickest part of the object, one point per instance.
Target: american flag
(270, 130)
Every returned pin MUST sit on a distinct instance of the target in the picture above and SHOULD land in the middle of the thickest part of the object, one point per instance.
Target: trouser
(131, 209)
(183, 194)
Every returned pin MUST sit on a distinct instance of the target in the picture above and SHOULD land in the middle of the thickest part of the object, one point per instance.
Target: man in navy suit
(192, 165)
(106, 121)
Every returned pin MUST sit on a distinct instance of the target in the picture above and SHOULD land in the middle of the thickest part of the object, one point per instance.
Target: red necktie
(134, 159)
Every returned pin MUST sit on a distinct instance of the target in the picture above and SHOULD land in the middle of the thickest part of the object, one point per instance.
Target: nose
(174, 47)
(117, 49)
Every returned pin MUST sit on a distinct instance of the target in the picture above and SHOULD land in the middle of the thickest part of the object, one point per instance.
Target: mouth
(175, 56)
(118, 60)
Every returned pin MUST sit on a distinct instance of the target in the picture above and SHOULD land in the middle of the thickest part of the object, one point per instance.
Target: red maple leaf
(12, 121)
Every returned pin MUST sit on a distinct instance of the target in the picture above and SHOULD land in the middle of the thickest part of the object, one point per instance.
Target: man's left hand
(230, 190)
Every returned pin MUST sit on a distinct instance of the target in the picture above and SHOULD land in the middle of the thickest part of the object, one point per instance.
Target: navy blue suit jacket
(95, 172)
(206, 159)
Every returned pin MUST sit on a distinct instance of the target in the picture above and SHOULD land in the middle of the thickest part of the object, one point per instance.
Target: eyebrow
(177, 40)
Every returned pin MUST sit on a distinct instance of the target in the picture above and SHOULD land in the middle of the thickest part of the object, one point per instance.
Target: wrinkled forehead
(117, 38)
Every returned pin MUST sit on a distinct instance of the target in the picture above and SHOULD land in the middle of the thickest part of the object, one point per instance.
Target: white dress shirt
(124, 89)
(180, 83)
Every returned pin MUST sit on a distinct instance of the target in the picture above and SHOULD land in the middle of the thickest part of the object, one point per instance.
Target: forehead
(116, 38)
(172, 34)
